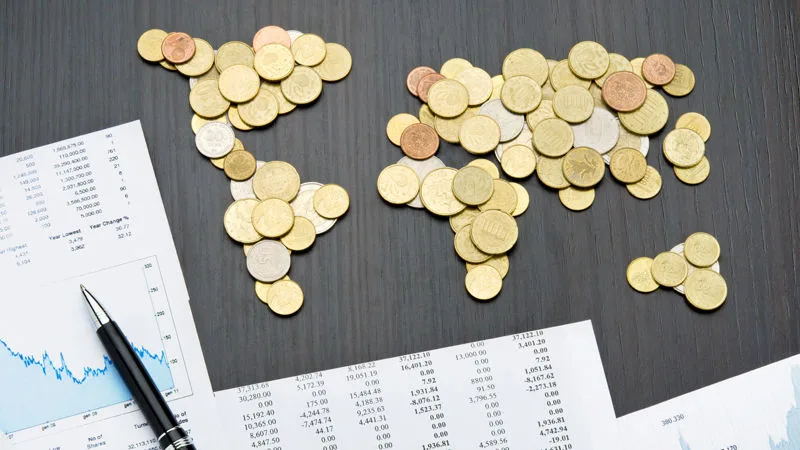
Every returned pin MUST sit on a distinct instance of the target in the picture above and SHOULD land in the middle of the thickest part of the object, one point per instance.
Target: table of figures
(542, 390)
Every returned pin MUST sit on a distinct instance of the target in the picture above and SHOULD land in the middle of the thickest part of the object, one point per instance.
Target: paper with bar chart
(759, 410)
(87, 210)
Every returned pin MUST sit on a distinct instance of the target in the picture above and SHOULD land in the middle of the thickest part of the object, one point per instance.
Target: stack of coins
(559, 119)
(246, 87)
(690, 268)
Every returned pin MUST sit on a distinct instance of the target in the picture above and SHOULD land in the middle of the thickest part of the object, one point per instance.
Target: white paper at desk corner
(88, 210)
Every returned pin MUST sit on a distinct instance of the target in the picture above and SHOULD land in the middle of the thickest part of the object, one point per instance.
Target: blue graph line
(792, 419)
(40, 390)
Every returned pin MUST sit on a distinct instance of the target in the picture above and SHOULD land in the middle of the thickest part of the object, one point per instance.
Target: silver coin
(294, 34)
(303, 206)
(268, 261)
(510, 124)
(628, 139)
(244, 189)
(600, 131)
(422, 168)
(679, 250)
(214, 140)
(525, 138)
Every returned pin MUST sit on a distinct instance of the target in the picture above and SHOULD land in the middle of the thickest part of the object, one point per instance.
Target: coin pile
(690, 268)
(559, 119)
(243, 86)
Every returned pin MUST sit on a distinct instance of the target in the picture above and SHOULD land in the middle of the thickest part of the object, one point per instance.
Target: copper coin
(624, 91)
(178, 48)
(419, 141)
(271, 35)
(416, 74)
(658, 69)
(425, 84)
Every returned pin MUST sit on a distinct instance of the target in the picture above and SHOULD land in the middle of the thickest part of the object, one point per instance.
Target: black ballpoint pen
(170, 435)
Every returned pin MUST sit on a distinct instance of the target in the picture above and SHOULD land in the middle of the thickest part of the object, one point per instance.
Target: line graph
(45, 380)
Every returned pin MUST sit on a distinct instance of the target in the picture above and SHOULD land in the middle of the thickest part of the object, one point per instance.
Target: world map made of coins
(563, 121)
(245, 86)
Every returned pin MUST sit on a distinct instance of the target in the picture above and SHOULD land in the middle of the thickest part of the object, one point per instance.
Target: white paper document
(87, 210)
(541, 390)
(759, 410)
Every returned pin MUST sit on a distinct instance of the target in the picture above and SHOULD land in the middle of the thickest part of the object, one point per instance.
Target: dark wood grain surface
(385, 281)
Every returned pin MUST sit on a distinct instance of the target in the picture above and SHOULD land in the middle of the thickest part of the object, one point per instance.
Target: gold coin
(149, 45)
(453, 67)
(337, 63)
(262, 288)
(705, 289)
(636, 63)
(426, 116)
(284, 106)
(239, 83)
(562, 76)
(238, 221)
(547, 91)
(473, 186)
(544, 111)
(240, 165)
(523, 199)
(449, 129)
(466, 249)
(212, 74)
(628, 165)
(494, 232)
(521, 94)
(261, 110)
(576, 199)
(527, 62)
(237, 145)
(303, 86)
(616, 63)
(301, 236)
(639, 275)
(273, 218)
(448, 98)
(627, 140)
(695, 174)
(207, 101)
(518, 161)
(462, 219)
(550, 172)
(201, 62)
(233, 53)
(486, 165)
(398, 184)
(478, 84)
(683, 147)
(168, 65)
(499, 262)
(331, 201)
(497, 86)
(583, 167)
(236, 120)
(479, 134)
(649, 118)
(695, 122)
(553, 137)
(276, 179)
(397, 124)
(701, 249)
(436, 193)
(483, 282)
(682, 84)
(198, 121)
(588, 60)
(573, 104)
(274, 62)
(309, 49)
(504, 198)
(669, 269)
(219, 163)
(285, 297)
(648, 187)
(597, 95)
